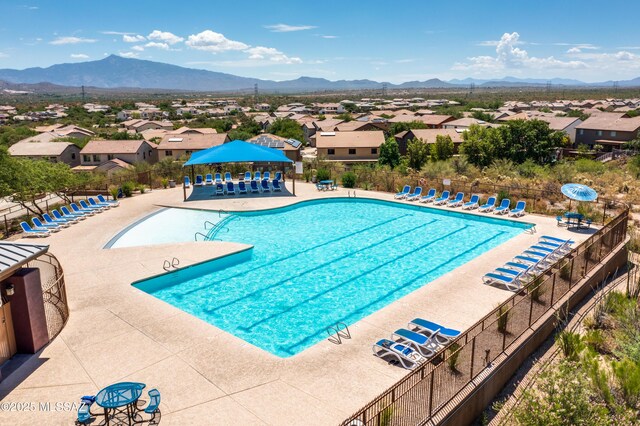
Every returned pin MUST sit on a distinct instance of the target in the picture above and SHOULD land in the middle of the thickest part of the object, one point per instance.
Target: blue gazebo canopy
(238, 152)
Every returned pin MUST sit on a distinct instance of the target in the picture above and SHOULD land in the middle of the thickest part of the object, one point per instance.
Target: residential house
(349, 147)
(55, 152)
(433, 121)
(429, 137)
(359, 126)
(465, 122)
(184, 130)
(290, 147)
(97, 152)
(562, 124)
(181, 145)
(611, 130)
(139, 126)
(310, 128)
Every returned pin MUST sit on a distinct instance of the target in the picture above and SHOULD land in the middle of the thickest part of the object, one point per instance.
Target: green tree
(417, 153)
(442, 149)
(481, 115)
(286, 128)
(10, 135)
(345, 116)
(396, 128)
(389, 153)
(477, 145)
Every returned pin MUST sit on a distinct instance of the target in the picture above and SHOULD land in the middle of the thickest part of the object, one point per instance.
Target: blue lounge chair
(231, 188)
(242, 187)
(427, 346)
(561, 247)
(70, 219)
(443, 199)
(227, 177)
(457, 202)
(218, 178)
(522, 268)
(187, 182)
(488, 206)
(208, 180)
(76, 213)
(264, 186)
(504, 207)
(113, 203)
(415, 194)
(154, 403)
(86, 206)
(94, 203)
(256, 176)
(431, 195)
(403, 194)
(198, 181)
(513, 283)
(60, 222)
(409, 358)
(219, 189)
(472, 203)
(430, 328)
(35, 232)
(247, 176)
(37, 223)
(276, 185)
(254, 186)
(519, 210)
(267, 176)
(278, 176)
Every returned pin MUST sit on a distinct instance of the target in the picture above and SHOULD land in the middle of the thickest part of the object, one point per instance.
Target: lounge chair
(556, 240)
(456, 202)
(35, 232)
(427, 346)
(113, 203)
(97, 209)
(242, 187)
(77, 209)
(254, 186)
(266, 176)
(276, 185)
(278, 176)
(504, 207)
(415, 194)
(442, 200)
(37, 223)
(472, 203)
(218, 178)
(152, 407)
(94, 203)
(247, 176)
(227, 177)
(513, 283)
(208, 180)
(219, 189)
(430, 328)
(431, 195)
(70, 219)
(60, 222)
(488, 206)
(519, 210)
(264, 186)
(256, 176)
(564, 248)
(409, 358)
(523, 269)
(403, 194)
(231, 188)
(77, 214)
(198, 181)
(187, 182)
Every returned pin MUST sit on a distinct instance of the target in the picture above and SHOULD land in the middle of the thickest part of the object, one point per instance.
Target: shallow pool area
(317, 263)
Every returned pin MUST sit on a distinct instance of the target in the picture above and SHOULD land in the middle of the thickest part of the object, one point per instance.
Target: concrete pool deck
(205, 375)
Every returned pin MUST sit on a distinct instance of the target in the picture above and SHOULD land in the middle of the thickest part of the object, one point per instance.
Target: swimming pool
(321, 262)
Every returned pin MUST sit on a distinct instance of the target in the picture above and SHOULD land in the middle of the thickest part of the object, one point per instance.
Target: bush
(349, 180)
(454, 353)
(503, 318)
(127, 188)
(570, 344)
(165, 183)
(502, 194)
(114, 191)
(627, 374)
(323, 174)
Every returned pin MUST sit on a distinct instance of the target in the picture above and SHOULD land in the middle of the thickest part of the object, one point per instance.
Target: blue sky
(392, 41)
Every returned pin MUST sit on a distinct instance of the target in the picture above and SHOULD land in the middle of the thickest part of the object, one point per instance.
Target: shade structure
(238, 152)
(579, 192)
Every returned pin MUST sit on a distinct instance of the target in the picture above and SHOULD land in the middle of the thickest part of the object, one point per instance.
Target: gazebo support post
(293, 178)
(193, 174)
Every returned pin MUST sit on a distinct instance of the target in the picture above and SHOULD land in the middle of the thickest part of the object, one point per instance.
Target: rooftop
(113, 147)
(364, 139)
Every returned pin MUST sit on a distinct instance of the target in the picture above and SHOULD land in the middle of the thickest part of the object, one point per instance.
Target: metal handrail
(195, 236)
(219, 226)
(340, 333)
(206, 222)
(167, 266)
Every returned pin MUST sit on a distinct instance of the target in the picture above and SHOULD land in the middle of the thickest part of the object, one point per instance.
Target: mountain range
(118, 72)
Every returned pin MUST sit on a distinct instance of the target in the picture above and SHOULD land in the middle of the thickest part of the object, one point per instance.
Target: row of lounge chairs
(65, 217)
(210, 179)
(458, 201)
(255, 187)
(414, 345)
(526, 266)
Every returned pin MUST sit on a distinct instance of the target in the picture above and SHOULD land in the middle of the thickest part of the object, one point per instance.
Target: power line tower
(548, 86)
(615, 87)
(384, 89)
(472, 87)
(83, 94)
(255, 93)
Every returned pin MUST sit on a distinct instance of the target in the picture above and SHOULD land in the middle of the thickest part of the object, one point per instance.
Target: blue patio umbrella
(579, 192)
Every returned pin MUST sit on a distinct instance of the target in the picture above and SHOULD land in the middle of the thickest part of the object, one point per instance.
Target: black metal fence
(422, 394)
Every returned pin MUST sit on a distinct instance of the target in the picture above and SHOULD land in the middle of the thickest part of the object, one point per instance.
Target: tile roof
(113, 147)
(364, 139)
(192, 141)
(38, 149)
(611, 121)
(429, 135)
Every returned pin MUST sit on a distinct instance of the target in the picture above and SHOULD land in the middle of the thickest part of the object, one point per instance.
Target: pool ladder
(173, 265)
(349, 194)
(338, 332)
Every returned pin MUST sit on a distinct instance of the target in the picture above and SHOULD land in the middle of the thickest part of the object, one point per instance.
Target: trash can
(172, 183)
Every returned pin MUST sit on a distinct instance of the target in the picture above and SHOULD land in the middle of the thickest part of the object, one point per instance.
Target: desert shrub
(128, 188)
(627, 374)
(570, 344)
(114, 190)
(594, 339)
(501, 195)
(323, 174)
(592, 167)
(165, 183)
(454, 353)
(349, 180)
(535, 288)
(503, 318)
(565, 271)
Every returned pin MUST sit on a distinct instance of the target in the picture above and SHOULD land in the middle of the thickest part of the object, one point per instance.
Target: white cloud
(284, 28)
(129, 54)
(165, 37)
(153, 44)
(3, 55)
(271, 54)
(404, 61)
(115, 33)
(329, 36)
(625, 56)
(137, 48)
(135, 38)
(79, 56)
(211, 41)
(581, 46)
(574, 50)
(71, 40)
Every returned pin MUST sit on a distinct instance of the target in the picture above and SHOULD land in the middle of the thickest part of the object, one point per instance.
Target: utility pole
(548, 86)
(83, 94)
(472, 87)
(384, 89)
(255, 93)
(615, 87)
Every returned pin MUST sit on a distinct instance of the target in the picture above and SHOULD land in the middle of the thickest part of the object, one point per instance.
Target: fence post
(553, 289)
(431, 393)
(473, 355)
(6, 226)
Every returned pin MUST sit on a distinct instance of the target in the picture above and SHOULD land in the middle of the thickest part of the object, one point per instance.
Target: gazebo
(238, 151)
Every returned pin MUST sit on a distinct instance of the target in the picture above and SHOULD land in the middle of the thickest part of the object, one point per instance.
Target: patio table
(118, 395)
(326, 183)
(573, 219)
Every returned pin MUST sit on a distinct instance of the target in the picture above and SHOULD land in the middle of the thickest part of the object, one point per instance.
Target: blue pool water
(321, 262)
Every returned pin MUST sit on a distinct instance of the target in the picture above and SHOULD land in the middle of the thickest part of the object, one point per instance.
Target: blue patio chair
(187, 182)
(256, 176)
(278, 176)
(227, 177)
(61, 222)
(320, 187)
(513, 283)
(231, 189)
(456, 202)
(408, 358)
(70, 219)
(35, 232)
(488, 206)
(208, 180)
(427, 346)
(519, 209)
(586, 225)
(443, 199)
(276, 185)
(445, 334)
(431, 195)
(37, 223)
(415, 194)
(504, 207)
(266, 176)
(86, 206)
(472, 203)
(76, 213)
(560, 222)
(94, 203)
(247, 176)
(219, 189)
(242, 187)
(113, 203)
(254, 187)
(154, 403)
(84, 410)
(198, 181)
(402, 194)
(264, 186)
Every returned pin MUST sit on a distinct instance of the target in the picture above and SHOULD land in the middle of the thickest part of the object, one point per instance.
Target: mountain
(115, 72)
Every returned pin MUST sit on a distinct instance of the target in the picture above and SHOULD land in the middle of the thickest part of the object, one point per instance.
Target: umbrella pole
(294, 179)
